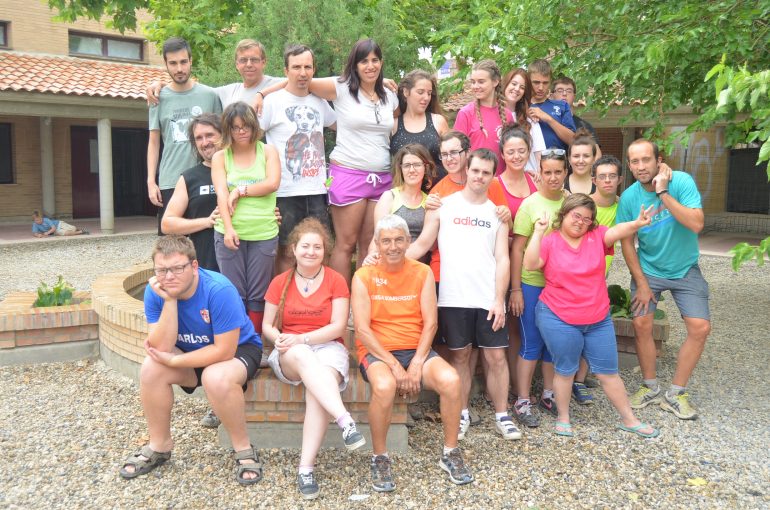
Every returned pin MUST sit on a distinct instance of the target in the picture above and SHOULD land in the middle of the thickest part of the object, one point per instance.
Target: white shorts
(62, 228)
(331, 354)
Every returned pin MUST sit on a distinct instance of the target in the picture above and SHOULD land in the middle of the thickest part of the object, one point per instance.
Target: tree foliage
(652, 55)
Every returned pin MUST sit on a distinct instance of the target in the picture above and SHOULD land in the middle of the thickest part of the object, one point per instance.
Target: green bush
(58, 295)
(620, 303)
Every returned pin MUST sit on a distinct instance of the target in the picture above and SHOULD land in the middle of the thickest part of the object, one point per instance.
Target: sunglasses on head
(553, 153)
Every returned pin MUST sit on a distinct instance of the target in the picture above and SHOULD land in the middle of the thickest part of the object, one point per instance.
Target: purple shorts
(350, 186)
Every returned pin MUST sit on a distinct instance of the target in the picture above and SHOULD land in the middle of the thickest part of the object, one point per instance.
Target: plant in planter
(60, 294)
(620, 303)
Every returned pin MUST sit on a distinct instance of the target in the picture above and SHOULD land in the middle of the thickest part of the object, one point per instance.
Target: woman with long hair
(573, 311)
(484, 118)
(582, 154)
(306, 312)
(421, 120)
(517, 89)
(246, 174)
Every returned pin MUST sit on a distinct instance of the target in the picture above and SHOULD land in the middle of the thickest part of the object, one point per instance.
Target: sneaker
(210, 420)
(548, 405)
(591, 381)
(523, 412)
(644, 396)
(454, 465)
(352, 437)
(679, 405)
(464, 426)
(507, 429)
(307, 486)
(581, 394)
(382, 478)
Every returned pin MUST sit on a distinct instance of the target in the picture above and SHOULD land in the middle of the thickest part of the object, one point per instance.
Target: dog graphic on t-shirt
(305, 148)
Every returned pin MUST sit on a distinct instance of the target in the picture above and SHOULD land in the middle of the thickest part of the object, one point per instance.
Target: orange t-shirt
(446, 187)
(396, 315)
(303, 314)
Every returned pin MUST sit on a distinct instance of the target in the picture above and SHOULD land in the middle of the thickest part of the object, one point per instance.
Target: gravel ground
(62, 443)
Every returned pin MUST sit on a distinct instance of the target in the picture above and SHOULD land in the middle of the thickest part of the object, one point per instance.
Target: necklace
(370, 95)
(309, 281)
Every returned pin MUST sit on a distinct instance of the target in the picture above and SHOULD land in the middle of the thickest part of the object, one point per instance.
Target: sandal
(249, 467)
(638, 430)
(144, 460)
(561, 428)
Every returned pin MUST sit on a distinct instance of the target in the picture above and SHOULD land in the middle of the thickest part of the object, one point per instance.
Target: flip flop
(638, 430)
(561, 428)
(143, 460)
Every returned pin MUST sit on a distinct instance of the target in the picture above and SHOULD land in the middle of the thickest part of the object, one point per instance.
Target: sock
(447, 449)
(675, 390)
(305, 470)
(548, 394)
(345, 420)
(374, 455)
(652, 384)
(520, 401)
(465, 414)
(499, 416)
(256, 320)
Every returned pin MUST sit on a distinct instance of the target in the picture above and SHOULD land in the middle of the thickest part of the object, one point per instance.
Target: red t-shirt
(446, 187)
(303, 314)
(575, 288)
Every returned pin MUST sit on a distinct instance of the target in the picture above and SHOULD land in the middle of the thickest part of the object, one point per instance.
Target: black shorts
(248, 354)
(295, 209)
(165, 196)
(403, 356)
(462, 327)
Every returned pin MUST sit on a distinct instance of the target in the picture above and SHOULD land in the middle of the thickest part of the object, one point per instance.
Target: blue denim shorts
(567, 342)
(690, 293)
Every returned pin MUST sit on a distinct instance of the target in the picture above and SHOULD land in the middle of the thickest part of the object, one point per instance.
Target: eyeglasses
(163, 271)
(249, 60)
(443, 156)
(240, 129)
(580, 218)
(409, 166)
(553, 153)
(607, 177)
(377, 115)
(564, 91)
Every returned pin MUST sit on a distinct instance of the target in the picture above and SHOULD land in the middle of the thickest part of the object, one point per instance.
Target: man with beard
(667, 259)
(183, 99)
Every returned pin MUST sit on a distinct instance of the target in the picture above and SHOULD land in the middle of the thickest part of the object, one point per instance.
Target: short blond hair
(247, 44)
(172, 244)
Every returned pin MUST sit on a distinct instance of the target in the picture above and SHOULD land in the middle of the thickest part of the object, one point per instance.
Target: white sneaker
(507, 429)
(465, 424)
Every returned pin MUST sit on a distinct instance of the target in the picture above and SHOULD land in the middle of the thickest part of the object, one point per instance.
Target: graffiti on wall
(705, 159)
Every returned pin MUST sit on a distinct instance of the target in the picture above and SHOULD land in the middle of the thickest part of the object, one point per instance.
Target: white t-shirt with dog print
(294, 126)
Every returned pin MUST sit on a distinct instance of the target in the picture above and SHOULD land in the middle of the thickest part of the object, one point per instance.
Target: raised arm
(692, 218)
(325, 88)
(627, 228)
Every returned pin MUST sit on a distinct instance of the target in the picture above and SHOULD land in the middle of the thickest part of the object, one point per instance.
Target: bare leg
(301, 363)
(440, 377)
(460, 362)
(222, 382)
(366, 233)
(313, 430)
(383, 386)
(562, 389)
(645, 346)
(692, 348)
(548, 373)
(525, 369)
(582, 371)
(615, 390)
(497, 378)
(514, 343)
(347, 225)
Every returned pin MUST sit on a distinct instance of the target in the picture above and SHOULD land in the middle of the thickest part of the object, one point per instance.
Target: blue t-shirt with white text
(667, 249)
(560, 111)
(215, 308)
(45, 226)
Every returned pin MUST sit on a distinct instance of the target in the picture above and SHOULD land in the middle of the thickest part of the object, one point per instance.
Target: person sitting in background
(42, 227)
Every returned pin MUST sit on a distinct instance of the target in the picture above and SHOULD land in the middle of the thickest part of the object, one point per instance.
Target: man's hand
(432, 202)
(503, 213)
(641, 302)
(644, 218)
(516, 302)
(153, 92)
(157, 287)
(662, 180)
(390, 85)
(538, 115)
(278, 216)
(214, 217)
(153, 192)
(162, 357)
(497, 312)
(257, 103)
(371, 259)
(401, 378)
(412, 380)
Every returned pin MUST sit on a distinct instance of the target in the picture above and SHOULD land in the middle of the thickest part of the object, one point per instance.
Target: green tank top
(254, 217)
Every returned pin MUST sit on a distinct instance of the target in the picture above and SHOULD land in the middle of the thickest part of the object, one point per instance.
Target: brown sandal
(143, 460)
(249, 467)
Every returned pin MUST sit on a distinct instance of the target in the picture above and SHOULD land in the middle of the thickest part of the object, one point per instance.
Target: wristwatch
(661, 192)
(242, 190)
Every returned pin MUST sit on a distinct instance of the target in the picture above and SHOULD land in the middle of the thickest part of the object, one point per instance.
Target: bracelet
(661, 192)
(261, 94)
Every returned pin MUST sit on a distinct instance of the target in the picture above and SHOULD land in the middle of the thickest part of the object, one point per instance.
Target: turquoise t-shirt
(667, 249)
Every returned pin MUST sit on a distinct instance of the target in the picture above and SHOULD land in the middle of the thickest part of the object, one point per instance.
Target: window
(6, 155)
(4, 34)
(95, 45)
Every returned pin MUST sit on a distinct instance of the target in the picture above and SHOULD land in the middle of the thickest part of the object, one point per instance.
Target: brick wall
(33, 30)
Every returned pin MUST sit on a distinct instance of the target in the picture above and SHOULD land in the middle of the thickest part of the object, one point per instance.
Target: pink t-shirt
(467, 122)
(514, 202)
(575, 288)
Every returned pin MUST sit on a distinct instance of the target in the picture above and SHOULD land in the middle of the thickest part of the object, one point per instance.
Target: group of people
(490, 240)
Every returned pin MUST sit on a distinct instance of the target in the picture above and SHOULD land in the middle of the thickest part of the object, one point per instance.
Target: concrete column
(46, 165)
(106, 204)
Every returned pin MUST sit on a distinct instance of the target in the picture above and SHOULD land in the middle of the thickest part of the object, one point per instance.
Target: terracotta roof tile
(76, 76)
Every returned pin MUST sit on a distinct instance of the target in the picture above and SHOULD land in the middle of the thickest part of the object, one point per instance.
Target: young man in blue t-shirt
(554, 115)
(667, 259)
(199, 335)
